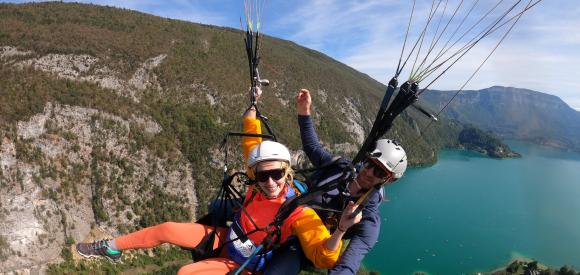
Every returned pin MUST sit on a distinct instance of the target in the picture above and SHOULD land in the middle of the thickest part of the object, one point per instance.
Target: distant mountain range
(514, 113)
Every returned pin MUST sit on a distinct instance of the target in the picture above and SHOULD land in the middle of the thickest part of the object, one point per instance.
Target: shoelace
(99, 244)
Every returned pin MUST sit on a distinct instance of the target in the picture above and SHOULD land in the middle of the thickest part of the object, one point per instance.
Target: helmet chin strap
(388, 179)
(358, 187)
(369, 191)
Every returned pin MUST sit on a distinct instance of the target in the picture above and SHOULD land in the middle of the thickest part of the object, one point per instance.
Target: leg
(210, 266)
(182, 234)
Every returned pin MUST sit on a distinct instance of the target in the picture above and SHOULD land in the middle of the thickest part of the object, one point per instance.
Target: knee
(167, 225)
(166, 228)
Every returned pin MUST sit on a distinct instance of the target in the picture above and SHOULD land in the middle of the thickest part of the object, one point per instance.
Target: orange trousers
(182, 234)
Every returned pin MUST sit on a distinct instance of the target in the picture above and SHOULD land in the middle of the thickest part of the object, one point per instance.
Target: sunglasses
(378, 171)
(275, 174)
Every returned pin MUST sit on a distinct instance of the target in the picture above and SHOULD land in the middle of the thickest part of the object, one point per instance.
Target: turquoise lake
(469, 214)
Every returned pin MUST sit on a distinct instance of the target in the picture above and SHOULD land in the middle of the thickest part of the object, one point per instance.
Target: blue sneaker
(98, 249)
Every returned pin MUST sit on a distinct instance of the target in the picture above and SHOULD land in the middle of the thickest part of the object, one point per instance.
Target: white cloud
(334, 26)
(541, 53)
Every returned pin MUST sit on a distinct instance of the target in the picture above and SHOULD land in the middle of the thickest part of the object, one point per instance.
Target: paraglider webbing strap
(308, 172)
(378, 121)
(252, 47)
(323, 166)
(319, 206)
(328, 184)
(263, 119)
(387, 114)
(335, 181)
(204, 249)
(269, 243)
(239, 134)
(365, 199)
(227, 194)
(291, 204)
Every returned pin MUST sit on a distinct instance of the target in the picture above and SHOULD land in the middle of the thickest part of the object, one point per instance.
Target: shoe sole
(98, 256)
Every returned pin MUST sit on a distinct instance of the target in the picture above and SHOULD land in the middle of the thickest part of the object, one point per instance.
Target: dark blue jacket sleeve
(310, 143)
(364, 236)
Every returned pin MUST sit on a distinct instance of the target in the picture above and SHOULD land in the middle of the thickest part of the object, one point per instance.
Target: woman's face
(271, 176)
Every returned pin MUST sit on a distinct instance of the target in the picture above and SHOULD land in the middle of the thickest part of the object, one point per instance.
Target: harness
(330, 204)
(240, 248)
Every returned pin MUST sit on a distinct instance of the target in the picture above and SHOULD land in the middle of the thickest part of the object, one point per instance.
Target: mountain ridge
(515, 113)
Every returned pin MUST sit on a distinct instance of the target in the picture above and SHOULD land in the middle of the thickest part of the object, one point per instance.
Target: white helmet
(268, 150)
(392, 156)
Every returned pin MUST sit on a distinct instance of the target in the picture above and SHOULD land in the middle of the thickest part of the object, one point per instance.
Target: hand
(251, 111)
(258, 93)
(303, 102)
(346, 221)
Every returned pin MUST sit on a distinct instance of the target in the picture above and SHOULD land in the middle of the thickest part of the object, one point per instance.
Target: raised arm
(252, 125)
(310, 143)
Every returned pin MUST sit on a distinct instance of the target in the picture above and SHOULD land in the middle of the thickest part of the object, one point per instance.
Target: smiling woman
(269, 175)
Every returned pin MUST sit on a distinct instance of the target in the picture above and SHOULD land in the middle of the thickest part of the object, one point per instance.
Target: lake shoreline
(519, 265)
(469, 213)
(511, 154)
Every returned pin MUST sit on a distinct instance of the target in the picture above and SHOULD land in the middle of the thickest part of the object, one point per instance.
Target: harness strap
(239, 231)
(204, 249)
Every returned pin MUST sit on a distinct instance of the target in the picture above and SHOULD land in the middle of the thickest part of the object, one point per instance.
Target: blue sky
(542, 52)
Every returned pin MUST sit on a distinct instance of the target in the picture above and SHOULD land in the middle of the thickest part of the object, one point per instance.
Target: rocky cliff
(71, 170)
